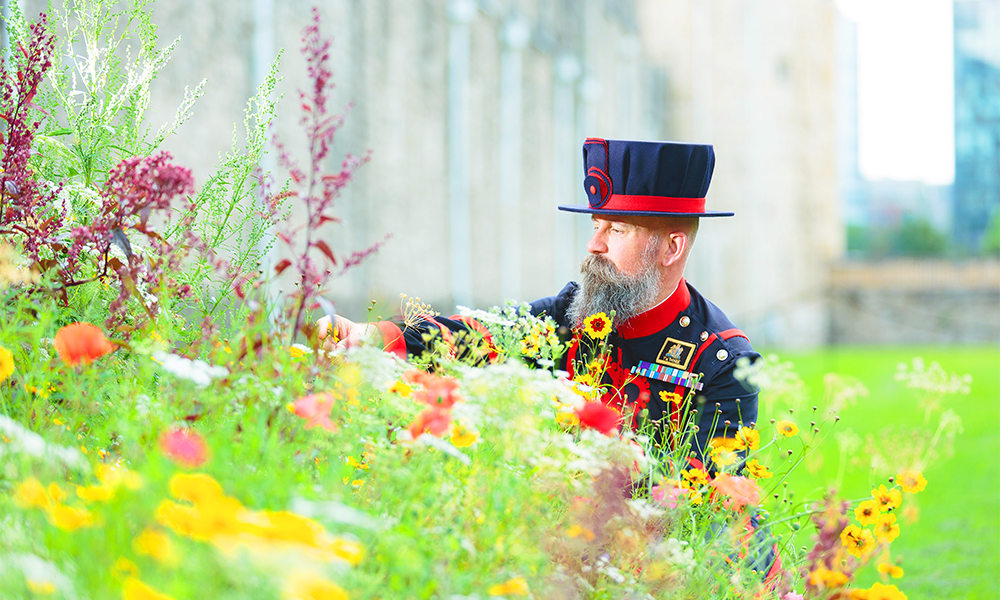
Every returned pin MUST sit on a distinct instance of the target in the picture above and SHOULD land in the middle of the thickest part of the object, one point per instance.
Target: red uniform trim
(481, 330)
(653, 320)
(392, 338)
(661, 204)
(774, 574)
(731, 333)
(704, 345)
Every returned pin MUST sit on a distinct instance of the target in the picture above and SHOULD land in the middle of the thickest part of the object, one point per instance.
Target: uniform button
(722, 355)
(685, 321)
(704, 335)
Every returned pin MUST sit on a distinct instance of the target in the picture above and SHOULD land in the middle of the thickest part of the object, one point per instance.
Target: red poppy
(315, 409)
(596, 415)
(81, 343)
(184, 446)
(437, 391)
(433, 420)
(739, 491)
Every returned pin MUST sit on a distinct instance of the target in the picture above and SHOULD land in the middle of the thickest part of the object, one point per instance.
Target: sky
(905, 89)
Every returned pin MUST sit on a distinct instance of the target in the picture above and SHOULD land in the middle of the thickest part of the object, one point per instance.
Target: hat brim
(642, 213)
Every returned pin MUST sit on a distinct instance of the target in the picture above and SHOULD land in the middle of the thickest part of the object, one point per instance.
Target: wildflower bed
(169, 430)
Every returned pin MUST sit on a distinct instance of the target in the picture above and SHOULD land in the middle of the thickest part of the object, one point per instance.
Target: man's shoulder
(556, 306)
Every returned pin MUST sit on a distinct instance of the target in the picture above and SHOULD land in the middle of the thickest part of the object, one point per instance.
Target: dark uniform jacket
(654, 358)
(656, 354)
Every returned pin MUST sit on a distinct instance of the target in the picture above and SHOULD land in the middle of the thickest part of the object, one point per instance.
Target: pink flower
(184, 446)
(667, 495)
(739, 491)
(315, 409)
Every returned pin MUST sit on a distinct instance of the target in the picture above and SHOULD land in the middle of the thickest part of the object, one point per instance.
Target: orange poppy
(81, 343)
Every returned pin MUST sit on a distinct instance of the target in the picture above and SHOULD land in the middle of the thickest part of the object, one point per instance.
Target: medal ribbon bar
(667, 374)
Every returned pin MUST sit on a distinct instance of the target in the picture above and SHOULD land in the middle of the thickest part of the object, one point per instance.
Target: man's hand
(341, 332)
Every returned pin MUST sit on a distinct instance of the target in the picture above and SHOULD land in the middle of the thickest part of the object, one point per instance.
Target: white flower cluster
(932, 379)
(25, 441)
(197, 371)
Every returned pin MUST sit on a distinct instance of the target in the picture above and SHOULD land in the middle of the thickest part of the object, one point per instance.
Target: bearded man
(669, 345)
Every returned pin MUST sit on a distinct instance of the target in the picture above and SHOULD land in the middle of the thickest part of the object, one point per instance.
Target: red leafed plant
(316, 189)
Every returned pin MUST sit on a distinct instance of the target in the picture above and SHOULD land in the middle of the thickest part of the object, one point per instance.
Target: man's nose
(597, 245)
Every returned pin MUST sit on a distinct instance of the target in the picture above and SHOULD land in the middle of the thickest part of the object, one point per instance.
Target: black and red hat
(664, 179)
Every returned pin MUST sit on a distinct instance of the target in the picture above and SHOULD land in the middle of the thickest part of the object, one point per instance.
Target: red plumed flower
(596, 415)
(81, 343)
(437, 391)
(315, 409)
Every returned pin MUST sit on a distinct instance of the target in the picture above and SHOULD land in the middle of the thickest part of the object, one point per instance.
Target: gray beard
(604, 289)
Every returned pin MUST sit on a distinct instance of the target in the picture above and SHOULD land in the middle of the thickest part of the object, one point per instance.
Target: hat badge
(597, 183)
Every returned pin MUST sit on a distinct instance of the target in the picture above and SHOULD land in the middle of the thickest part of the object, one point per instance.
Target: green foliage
(911, 237)
(991, 238)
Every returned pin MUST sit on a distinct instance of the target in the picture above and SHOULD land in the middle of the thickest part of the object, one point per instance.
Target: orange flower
(596, 415)
(433, 420)
(739, 491)
(81, 343)
(438, 391)
(912, 481)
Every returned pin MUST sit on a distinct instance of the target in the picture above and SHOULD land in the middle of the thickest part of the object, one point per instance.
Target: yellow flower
(887, 499)
(31, 493)
(6, 364)
(866, 512)
(723, 451)
(695, 497)
(133, 589)
(196, 487)
(886, 528)
(885, 592)
(747, 438)
(758, 470)
(70, 518)
(312, 587)
(567, 418)
(669, 397)
(462, 436)
(911, 481)
(123, 567)
(95, 493)
(597, 326)
(298, 351)
(40, 588)
(401, 388)
(155, 543)
(514, 587)
(890, 570)
(787, 428)
(577, 531)
(695, 477)
(857, 541)
(825, 578)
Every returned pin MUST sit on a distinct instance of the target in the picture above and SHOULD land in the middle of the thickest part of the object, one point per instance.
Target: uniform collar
(658, 317)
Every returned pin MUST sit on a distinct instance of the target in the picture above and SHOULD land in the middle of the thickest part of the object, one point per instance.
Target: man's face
(623, 241)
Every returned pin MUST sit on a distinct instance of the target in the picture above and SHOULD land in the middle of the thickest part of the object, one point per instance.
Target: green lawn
(953, 549)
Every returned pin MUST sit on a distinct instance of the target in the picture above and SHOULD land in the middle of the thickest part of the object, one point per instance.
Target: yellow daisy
(597, 326)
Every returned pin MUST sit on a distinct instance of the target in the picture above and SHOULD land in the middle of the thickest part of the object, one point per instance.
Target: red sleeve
(392, 338)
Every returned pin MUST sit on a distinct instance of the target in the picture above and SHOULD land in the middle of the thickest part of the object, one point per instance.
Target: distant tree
(991, 237)
(917, 237)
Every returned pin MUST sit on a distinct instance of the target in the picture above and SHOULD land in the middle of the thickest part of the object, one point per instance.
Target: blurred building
(977, 120)
(475, 113)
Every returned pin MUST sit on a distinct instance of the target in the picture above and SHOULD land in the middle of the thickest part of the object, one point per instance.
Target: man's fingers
(324, 325)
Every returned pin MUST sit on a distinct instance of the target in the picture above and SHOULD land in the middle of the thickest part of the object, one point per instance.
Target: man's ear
(673, 252)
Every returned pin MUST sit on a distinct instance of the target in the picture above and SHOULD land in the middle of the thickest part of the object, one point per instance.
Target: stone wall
(915, 302)
(469, 162)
